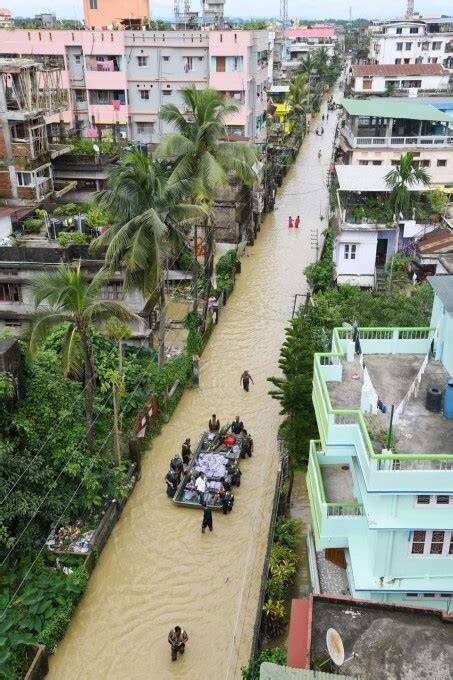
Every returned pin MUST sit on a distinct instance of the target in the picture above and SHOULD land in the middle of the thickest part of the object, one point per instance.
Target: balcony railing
(388, 340)
(395, 142)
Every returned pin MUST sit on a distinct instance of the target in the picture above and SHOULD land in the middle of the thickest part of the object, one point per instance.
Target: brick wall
(5, 185)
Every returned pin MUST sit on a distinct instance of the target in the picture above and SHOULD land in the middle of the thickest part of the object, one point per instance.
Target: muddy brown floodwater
(157, 569)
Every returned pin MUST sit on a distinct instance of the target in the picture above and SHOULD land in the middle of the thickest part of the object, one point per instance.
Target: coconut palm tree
(203, 158)
(399, 182)
(76, 301)
(298, 97)
(151, 222)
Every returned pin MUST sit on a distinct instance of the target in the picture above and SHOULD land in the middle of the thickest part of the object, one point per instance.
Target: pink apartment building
(113, 77)
(239, 69)
(93, 71)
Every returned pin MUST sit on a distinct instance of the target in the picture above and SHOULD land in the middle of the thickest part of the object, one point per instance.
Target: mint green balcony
(335, 511)
(423, 460)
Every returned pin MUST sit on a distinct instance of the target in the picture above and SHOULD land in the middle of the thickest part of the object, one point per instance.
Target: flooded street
(157, 569)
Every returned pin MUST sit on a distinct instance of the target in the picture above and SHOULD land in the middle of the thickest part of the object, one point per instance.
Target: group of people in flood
(179, 466)
(293, 223)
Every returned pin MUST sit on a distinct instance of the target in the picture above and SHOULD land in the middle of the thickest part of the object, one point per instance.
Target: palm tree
(203, 157)
(76, 301)
(298, 97)
(150, 220)
(399, 182)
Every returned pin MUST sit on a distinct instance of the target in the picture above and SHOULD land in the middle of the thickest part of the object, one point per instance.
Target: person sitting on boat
(171, 480)
(237, 426)
(227, 502)
(177, 639)
(186, 452)
(214, 424)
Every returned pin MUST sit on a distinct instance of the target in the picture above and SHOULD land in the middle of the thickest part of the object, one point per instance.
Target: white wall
(383, 47)
(359, 271)
(378, 83)
(438, 174)
(5, 226)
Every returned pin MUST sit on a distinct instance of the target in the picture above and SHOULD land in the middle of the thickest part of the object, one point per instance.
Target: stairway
(381, 279)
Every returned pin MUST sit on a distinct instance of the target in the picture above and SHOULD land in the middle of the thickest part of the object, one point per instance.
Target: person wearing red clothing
(297, 222)
(290, 222)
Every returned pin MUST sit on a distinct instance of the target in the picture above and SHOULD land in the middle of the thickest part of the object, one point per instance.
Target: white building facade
(405, 79)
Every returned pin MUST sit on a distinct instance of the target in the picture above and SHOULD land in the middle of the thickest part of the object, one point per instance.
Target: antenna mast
(284, 13)
(410, 9)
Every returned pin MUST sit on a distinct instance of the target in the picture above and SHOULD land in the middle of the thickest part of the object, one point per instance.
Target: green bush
(67, 210)
(33, 225)
(66, 238)
(287, 532)
(320, 274)
(226, 271)
(275, 655)
(95, 217)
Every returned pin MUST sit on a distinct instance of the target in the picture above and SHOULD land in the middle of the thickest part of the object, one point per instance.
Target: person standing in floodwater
(290, 222)
(245, 380)
(297, 222)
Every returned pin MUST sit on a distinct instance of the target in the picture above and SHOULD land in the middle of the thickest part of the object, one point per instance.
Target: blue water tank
(448, 400)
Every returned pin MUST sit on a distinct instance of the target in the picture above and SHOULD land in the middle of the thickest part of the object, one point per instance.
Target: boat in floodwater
(218, 456)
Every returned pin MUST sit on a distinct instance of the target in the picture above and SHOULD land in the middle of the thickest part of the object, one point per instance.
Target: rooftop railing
(346, 417)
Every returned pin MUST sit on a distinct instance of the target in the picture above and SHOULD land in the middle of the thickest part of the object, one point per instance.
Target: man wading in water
(246, 378)
(177, 638)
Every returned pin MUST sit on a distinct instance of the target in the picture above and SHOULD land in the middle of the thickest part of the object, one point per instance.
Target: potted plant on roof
(438, 201)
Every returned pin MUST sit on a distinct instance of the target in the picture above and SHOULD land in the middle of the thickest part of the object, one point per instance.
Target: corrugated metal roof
(438, 241)
(399, 70)
(270, 671)
(443, 287)
(385, 109)
(367, 178)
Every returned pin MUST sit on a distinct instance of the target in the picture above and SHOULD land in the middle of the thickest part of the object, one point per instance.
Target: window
(9, 292)
(407, 61)
(433, 60)
(237, 63)
(349, 251)
(399, 30)
(433, 596)
(144, 94)
(395, 163)
(408, 46)
(413, 29)
(363, 162)
(434, 500)
(441, 163)
(437, 45)
(24, 179)
(377, 162)
(419, 60)
(166, 58)
(144, 128)
(432, 543)
(112, 291)
(411, 83)
(13, 323)
(399, 47)
(77, 58)
(397, 61)
(80, 95)
(93, 4)
(142, 61)
(188, 64)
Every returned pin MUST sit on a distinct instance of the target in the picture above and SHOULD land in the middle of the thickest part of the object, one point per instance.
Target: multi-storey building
(366, 233)
(117, 80)
(158, 66)
(380, 478)
(378, 132)
(309, 40)
(28, 92)
(6, 18)
(239, 70)
(413, 41)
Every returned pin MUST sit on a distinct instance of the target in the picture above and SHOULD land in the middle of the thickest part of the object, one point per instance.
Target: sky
(309, 9)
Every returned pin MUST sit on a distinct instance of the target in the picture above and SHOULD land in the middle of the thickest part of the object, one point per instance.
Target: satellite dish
(335, 646)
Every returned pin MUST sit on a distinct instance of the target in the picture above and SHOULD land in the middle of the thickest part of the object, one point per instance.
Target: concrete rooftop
(338, 484)
(419, 430)
(388, 642)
